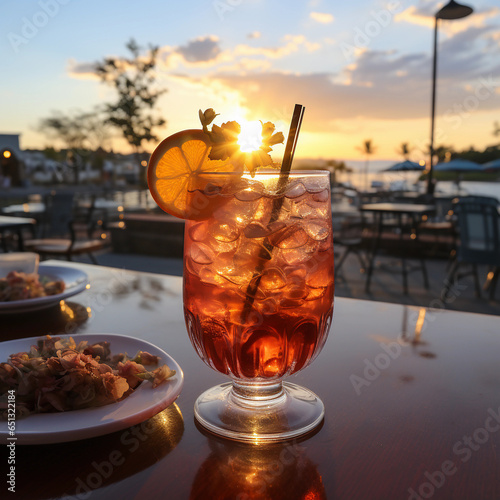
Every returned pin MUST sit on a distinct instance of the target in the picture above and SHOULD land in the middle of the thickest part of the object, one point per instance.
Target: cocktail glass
(258, 298)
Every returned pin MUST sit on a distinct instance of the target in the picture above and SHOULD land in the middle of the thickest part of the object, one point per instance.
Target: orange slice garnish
(174, 175)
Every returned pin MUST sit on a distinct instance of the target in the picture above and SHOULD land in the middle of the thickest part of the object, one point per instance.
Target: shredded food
(59, 375)
(21, 286)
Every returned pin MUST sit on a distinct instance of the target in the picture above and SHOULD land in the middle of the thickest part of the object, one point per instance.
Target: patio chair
(351, 238)
(66, 233)
(478, 224)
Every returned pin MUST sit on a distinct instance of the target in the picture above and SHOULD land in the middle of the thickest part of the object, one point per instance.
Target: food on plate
(59, 375)
(21, 286)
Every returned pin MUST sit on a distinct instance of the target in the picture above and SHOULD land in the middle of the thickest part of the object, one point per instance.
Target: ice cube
(296, 292)
(322, 196)
(320, 277)
(294, 256)
(212, 189)
(224, 231)
(249, 190)
(317, 229)
(315, 184)
(247, 291)
(191, 266)
(286, 303)
(202, 254)
(211, 308)
(292, 236)
(315, 293)
(250, 254)
(208, 275)
(267, 306)
(301, 210)
(272, 279)
(294, 273)
(251, 316)
(257, 229)
(198, 232)
(295, 190)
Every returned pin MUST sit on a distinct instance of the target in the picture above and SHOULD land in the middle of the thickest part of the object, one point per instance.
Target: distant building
(11, 165)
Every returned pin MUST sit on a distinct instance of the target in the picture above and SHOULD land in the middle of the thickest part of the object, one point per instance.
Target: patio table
(15, 224)
(414, 212)
(411, 398)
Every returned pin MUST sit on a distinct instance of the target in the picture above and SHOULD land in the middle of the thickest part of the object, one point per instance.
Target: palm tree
(496, 130)
(367, 149)
(336, 168)
(404, 150)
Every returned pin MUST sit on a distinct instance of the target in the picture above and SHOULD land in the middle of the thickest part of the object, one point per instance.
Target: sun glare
(250, 138)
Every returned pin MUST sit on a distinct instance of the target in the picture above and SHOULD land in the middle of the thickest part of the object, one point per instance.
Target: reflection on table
(407, 392)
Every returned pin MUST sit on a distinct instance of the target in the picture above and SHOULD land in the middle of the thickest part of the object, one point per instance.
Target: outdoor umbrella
(492, 165)
(406, 165)
(458, 165)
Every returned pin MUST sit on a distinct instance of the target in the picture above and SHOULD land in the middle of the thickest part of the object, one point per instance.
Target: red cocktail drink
(258, 283)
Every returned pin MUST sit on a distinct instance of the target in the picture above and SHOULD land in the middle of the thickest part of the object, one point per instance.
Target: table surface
(7, 222)
(411, 395)
(403, 208)
(33, 207)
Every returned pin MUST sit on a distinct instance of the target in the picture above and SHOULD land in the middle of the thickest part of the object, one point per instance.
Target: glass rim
(292, 173)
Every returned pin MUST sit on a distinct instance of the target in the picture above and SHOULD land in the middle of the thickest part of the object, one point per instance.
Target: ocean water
(410, 181)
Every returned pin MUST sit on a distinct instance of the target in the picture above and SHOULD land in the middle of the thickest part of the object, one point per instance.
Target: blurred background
(364, 73)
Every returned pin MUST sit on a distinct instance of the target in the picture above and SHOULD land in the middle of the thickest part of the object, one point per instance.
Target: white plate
(74, 279)
(142, 404)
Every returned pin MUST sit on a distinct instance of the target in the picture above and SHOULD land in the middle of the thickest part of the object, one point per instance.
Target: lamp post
(451, 10)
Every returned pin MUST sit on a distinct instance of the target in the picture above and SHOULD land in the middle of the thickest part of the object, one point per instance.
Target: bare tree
(80, 133)
(133, 79)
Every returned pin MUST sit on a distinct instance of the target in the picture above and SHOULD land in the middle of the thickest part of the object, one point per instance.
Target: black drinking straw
(291, 142)
(286, 165)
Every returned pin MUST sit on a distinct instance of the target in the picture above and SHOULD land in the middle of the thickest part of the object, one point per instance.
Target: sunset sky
(362, 69)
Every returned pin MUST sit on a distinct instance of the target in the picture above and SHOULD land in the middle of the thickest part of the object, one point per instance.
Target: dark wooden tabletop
(412, 399)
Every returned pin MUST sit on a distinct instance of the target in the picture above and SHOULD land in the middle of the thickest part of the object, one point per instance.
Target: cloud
(423, 14)
(202, 49)
(321, 17)
(81, 71)
(254, 35)
(206, 52)
(380, 85)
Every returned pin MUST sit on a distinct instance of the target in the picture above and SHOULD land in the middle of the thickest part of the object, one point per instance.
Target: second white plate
(143, 403)
(74, 280)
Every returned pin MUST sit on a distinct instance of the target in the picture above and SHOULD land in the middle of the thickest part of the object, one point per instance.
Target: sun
(250, 138)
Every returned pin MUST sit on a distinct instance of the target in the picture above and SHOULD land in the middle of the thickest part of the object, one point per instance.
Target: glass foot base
(244, 414)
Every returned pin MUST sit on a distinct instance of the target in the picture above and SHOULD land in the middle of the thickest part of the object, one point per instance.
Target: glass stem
(254, 394)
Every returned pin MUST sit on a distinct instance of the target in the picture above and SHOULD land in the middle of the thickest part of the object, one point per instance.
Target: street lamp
(451, 10)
